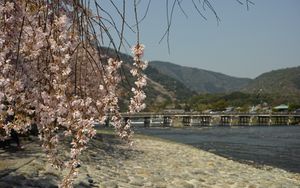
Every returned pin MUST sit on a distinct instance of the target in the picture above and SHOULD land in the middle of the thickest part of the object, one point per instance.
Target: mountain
(199, 80)
(282, 82)
(160, 89)
(169, 83)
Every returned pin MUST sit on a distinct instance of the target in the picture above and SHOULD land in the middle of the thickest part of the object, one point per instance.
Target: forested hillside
(199, 80)
(282, 82)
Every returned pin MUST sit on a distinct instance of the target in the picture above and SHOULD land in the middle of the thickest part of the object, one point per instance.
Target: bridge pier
(226, 120)
(147, 121)
(281, 120)
(107, 121)
(244, 120)
(186, 120)
(204, 120)
(126, 119)
(253, 120)
(296, 120)
(167, 121)
(263, 120)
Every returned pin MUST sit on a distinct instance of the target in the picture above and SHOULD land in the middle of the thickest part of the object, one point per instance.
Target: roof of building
(281, 107)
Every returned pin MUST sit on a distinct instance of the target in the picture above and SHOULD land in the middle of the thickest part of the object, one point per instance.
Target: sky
(246, 43)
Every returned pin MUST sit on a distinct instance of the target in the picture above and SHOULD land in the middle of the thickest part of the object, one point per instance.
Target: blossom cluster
(52, 77)
(137, 101)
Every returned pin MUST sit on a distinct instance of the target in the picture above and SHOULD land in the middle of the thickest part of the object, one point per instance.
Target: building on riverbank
(282, 108)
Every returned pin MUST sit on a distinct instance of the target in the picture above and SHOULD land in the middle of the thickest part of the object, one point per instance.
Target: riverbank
(151, 162)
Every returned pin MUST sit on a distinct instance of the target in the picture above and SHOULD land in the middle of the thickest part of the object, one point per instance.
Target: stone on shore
(149, 163)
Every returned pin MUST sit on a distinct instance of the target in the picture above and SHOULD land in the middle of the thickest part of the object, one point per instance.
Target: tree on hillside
(55, 72)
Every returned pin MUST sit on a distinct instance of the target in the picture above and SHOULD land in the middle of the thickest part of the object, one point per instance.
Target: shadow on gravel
(50, 181)
(14, 181)
(101, 148)
(112, 146)
(13, 152)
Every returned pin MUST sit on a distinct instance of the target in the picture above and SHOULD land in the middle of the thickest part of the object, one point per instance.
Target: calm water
(277, 146)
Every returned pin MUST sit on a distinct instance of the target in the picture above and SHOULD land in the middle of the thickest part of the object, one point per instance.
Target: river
(277, 146)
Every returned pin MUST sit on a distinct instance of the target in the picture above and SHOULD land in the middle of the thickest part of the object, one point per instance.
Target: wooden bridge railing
(207, 119)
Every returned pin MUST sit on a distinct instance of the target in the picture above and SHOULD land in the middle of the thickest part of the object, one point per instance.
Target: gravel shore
(149, 163)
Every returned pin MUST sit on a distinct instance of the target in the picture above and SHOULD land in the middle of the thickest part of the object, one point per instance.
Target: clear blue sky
(244, 44)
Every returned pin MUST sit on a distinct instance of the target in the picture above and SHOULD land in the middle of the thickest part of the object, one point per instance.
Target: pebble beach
(150, 162)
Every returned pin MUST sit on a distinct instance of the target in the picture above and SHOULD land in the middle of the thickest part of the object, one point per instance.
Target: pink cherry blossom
(51, 74)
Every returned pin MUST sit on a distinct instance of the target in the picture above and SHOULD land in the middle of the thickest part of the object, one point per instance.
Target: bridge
(171, 119)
